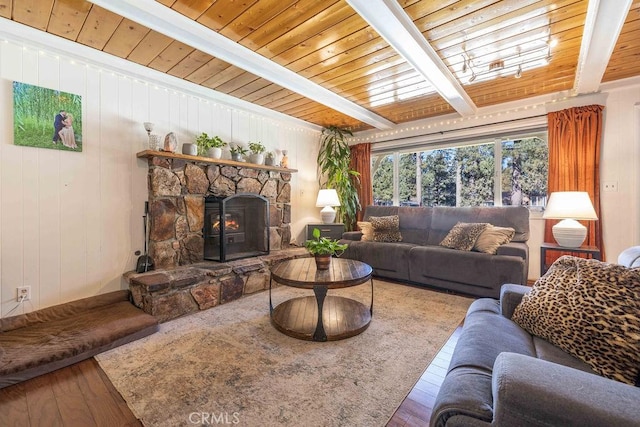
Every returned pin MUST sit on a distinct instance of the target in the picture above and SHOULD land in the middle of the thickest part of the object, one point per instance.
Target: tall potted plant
(334, 172)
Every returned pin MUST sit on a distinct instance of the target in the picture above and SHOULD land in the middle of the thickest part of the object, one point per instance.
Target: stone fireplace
(178, 188)
(236, 227)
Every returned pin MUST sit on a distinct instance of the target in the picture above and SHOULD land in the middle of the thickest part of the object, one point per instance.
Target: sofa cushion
(386, 228)
(463, 236)
(367, 231)
(591, 310)
(492, 237)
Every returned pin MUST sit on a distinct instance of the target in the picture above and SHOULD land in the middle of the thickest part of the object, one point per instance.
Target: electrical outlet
(610, 186)
(24, 293)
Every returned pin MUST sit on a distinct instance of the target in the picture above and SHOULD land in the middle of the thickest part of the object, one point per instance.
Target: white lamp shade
(569, 206)
(328, 197)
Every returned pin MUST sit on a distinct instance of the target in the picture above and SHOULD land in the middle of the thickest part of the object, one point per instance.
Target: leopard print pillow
(386, 228)
(591, 310)
(463, 235)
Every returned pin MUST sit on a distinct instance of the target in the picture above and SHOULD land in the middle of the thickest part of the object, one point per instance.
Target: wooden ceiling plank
(211, 68)
(237, 83)
(191, 63)
(34, 13)
(167, 3)
(297, 59)
(192, 8)
(6, 8)
(349, 70)
(281, 24)
(222, 12)
(524, 19)
(368, 74)
(467, 23)
(261, 93)
(369, 81)
(98, 27)
(250, 88)
(125, 38)
(323, 21)
(171, 56)
(149, 47)
(68, 17)
(488, 46)
(253, 18)
(223, 76)
(280, 97)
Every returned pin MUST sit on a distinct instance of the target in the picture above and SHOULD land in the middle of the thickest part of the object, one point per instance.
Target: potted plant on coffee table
(322, 248)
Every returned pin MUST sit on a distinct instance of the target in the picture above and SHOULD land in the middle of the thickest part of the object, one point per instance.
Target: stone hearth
(168, 294)
(177, 189)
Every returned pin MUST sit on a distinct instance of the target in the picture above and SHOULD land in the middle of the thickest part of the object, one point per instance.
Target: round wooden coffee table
(339, 317)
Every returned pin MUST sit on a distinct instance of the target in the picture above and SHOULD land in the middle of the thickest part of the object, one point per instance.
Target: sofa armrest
(514, 249)
(352, 235)
(532, 392)
(510, 297)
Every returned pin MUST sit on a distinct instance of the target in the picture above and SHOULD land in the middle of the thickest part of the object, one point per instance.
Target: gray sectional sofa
(419, 258)
(500, 375)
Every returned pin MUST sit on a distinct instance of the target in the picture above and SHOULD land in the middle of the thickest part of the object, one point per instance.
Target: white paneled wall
(70, 223)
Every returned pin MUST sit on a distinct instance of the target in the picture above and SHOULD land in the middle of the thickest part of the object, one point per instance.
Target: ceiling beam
(390, 20)
(166, 21)
(602, 27)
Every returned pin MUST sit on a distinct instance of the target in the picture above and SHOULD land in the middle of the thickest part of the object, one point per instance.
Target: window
(500, 172)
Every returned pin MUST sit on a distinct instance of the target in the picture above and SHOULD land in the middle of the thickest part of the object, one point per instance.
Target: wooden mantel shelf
(167, 155)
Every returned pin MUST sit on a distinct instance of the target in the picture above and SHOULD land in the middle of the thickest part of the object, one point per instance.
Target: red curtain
(574, 164)
(361, 163)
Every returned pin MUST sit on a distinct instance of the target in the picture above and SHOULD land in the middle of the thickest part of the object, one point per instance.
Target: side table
(331, 231)
(591, 250)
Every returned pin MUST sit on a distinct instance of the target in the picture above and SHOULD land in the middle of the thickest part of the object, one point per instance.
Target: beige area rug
(228, 365)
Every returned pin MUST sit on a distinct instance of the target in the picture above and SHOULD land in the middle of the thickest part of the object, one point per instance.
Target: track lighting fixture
(519, 72)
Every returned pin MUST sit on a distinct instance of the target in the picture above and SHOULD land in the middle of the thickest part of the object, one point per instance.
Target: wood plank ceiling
(484, 43)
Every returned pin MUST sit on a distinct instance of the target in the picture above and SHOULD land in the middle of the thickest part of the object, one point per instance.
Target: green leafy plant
(324, 245)
(334, 172)
(204, 142)
(257, 147)
(270, 155)
(238, 149)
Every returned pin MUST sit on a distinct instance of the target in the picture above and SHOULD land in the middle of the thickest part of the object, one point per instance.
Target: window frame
(496, 140)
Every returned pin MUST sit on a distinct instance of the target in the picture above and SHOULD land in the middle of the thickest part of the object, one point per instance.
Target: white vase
(257, 159)
(214, 152)
(190, 149)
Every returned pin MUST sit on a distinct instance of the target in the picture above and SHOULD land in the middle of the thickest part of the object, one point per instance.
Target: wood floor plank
(43, 407)
(14, 410)
(71, 403)
(97, 394)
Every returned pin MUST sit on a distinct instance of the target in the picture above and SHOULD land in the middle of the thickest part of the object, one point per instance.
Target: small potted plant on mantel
(210, 146)
(270, 158)
(237, 151)
(256, 152)
(322, 248)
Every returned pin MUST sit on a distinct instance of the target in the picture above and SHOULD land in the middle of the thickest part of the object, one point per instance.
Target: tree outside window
(466, 175)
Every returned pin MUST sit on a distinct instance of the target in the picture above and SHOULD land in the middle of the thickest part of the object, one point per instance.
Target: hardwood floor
(78, 395)
(416, 408)
(82, 395)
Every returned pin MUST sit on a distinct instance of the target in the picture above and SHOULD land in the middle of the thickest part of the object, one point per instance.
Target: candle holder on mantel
(154, 140)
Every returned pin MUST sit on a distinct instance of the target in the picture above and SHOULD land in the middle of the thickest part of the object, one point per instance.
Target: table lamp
(569, 206)
(326, 200)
